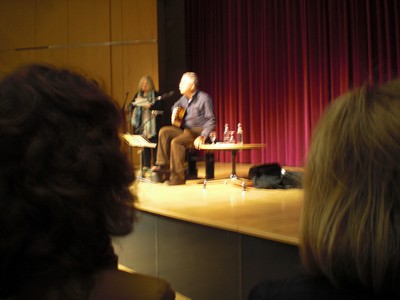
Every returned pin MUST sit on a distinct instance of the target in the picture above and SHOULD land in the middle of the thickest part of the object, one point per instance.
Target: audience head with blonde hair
(350, 231)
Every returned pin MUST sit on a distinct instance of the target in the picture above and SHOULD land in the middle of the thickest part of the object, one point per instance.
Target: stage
(222, 203)
(214, 239)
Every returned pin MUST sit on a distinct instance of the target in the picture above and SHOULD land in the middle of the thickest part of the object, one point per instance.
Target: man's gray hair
(194, 78)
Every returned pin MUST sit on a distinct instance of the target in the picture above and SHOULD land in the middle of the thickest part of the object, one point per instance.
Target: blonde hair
(147, 79)
(350, 227)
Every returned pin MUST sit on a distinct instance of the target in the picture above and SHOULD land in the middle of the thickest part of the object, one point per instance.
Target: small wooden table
(234, 148)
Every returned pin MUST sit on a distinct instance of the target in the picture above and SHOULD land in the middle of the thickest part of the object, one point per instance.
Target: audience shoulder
(121, 285)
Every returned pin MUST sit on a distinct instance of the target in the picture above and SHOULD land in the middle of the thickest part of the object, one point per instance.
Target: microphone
(126, 98)
(165, 95)
(156, 112)
(145, 101)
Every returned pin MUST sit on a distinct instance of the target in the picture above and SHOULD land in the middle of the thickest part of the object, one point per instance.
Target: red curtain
(274, 65)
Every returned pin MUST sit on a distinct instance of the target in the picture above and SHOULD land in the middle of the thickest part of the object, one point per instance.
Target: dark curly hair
(64, 181)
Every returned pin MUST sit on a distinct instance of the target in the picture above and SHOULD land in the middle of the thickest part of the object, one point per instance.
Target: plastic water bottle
(239, 134)
(226, 134)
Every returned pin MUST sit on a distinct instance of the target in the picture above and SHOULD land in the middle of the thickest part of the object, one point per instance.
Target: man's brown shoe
(159, 174)
(159, 168)
(176, 181)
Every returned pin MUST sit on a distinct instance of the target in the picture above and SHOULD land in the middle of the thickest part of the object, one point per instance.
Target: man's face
(186, 85)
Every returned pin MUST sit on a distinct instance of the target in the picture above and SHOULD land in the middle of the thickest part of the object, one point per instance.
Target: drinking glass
(213, 136)
(231, 137)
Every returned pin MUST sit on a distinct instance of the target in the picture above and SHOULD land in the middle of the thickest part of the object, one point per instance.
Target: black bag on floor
(266, 176)
(292, 180)
(271, 176)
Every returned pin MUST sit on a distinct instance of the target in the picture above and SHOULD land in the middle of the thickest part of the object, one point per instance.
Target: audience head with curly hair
(64, 183)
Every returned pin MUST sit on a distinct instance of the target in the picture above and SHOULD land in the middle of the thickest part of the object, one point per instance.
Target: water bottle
(226, 133)
(239, 134)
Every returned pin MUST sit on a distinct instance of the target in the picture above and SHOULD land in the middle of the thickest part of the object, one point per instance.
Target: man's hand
(173, 115)
(199, 141)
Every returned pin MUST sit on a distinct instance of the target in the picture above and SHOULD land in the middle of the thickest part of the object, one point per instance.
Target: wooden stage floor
(265, 213)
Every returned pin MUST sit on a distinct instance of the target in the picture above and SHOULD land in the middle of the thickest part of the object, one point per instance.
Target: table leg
(233, 173)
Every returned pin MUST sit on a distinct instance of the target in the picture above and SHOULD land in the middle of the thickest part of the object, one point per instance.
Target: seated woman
(350, 227)
(65, 189)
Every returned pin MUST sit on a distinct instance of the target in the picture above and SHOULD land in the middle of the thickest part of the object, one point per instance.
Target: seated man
(193, 119)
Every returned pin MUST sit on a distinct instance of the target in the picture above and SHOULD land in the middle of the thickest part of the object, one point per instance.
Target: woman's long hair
(64, 182)
(350, 229)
